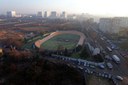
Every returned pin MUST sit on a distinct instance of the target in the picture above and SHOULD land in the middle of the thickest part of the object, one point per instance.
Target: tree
(78, 48)
(66, 52)
(84, 53)
(13, 42)
(60, 49)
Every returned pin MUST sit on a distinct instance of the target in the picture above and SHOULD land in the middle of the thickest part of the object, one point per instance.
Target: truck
(116, 59)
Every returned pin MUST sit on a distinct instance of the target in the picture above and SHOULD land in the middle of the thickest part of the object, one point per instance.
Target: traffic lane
(118, 69)
(123, 65)
(91, 42)
(96, 70)
(121, 57)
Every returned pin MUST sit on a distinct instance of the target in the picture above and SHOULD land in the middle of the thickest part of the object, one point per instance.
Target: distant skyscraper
(11, 14)
(46, 14)
(63, 15)
(53, 14)
(40, 14)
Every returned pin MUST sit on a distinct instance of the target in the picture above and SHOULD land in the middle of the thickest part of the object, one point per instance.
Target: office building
(46, 14)
(63, 15)
(11, 14)
(40, 14)
(113, 25)
(105, 24)
(53, 14)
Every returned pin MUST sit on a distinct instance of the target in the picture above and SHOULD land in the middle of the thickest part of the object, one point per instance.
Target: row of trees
(60, 51)
(39, 72)
(12, 42)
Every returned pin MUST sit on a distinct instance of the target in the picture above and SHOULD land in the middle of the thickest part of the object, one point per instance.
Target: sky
(96, 7)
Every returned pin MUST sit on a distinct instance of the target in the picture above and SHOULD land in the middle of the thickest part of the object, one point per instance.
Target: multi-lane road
(101, 41)
(118, 69)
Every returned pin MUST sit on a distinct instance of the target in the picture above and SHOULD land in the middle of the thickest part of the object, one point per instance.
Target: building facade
(105, 24)
(63, 15)
(11, 14)
(46, 14)
(40, 14)
(53, 14)
(113, 25)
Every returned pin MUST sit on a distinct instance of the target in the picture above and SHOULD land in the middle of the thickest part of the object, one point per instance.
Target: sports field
(68, 41)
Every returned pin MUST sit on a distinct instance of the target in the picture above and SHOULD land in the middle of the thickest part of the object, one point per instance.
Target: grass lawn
(68, 41)
(31, 41)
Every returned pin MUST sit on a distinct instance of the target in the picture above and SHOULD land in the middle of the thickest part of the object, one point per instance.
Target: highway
(118, 69)
(100, 40)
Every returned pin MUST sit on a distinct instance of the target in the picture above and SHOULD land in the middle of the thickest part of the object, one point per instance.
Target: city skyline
(96, 7)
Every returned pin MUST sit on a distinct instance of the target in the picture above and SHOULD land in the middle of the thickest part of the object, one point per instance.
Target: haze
(98, 7)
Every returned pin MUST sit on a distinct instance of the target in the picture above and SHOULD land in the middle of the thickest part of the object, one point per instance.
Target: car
(102, 38)
(86, 70)
(91, 66)
(80, 68)
(119, 78)
(110, 66)
(116, 59)
(102, 66)
(108, 57)
(104, 52)
(106, 76)
(74, 66)
(85, 64)
(91, 72)
(109, 76)
(114, 81)
(100, 74)
(68, 65)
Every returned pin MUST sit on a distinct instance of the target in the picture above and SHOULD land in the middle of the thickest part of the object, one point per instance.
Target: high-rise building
(46, 14)
(11, 14)
(63, 15)
(40, 14)
(113, 25)
(53, 14)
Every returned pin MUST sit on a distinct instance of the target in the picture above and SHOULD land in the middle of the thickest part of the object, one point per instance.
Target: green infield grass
(61, 41)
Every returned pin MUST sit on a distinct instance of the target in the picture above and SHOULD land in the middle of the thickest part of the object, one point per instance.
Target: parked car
(110, 66)
(119, 78)
(101, 66)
